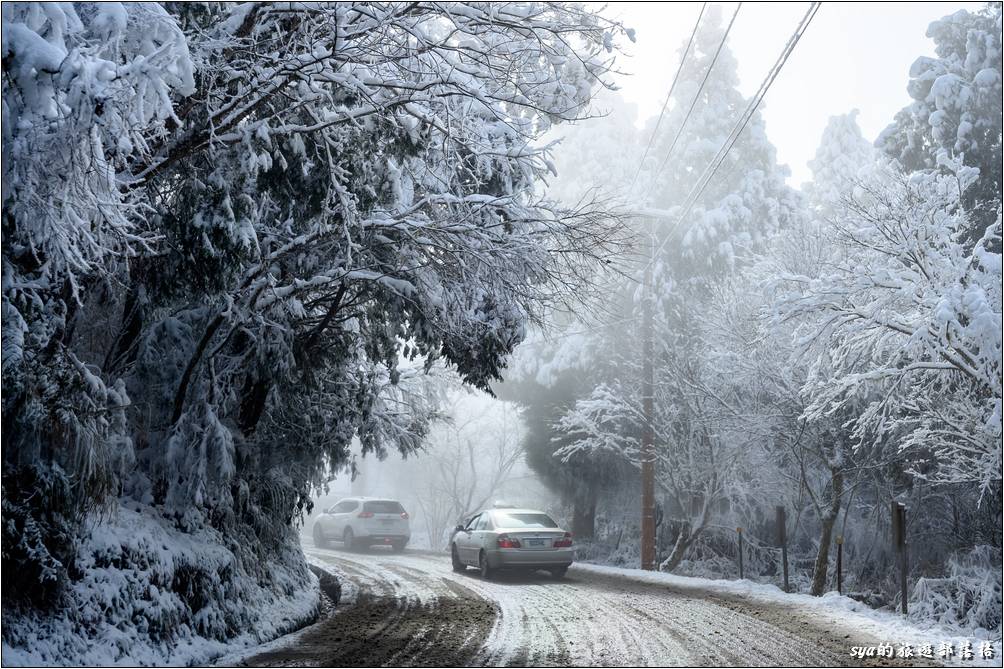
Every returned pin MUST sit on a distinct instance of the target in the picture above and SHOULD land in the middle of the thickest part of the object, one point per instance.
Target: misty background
(733, 393)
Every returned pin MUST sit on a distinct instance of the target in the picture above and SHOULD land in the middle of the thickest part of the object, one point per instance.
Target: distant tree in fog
(466, 462)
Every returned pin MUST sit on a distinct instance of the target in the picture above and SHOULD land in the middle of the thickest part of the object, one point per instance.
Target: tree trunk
(821, 567)
(253, 396)
(123, 349)
(826, 535)
(584, 517)
(684, 539)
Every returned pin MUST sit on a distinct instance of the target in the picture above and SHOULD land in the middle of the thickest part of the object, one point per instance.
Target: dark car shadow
(520, 577)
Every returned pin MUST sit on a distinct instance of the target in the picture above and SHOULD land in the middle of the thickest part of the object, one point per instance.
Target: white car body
(511, 538)
(363, 521)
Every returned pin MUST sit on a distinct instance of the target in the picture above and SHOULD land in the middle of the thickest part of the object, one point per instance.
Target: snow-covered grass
(882, 626)
(149, 593)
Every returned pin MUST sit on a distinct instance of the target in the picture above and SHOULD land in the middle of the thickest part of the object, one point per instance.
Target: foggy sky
(853, 56)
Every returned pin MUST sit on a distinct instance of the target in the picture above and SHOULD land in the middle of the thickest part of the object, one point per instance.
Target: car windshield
(517, 519)
(383, 506)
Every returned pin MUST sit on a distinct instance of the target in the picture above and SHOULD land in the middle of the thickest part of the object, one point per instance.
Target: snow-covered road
(412, 609)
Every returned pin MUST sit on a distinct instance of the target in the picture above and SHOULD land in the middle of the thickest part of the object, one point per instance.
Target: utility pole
(648, 433)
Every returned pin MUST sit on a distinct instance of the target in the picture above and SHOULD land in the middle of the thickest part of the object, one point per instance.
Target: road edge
(330, 595)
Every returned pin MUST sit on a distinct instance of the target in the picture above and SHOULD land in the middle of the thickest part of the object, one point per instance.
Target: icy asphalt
(412, 609)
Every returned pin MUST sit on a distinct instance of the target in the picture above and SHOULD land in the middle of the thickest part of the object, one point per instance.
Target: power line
(741, 123)
(754, 103)
(648, 453)
(669, 95)
(697, 96)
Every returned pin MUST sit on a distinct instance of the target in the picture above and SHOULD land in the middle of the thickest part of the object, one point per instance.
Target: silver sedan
(512, 539)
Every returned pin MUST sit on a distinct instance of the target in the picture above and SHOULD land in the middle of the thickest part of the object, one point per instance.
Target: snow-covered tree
(466, 464)
(747, 198)
(908, 320)
(843, 159)
(956, 110)
(700, 237)
(597, 157)
(600, 153)
(235, 235)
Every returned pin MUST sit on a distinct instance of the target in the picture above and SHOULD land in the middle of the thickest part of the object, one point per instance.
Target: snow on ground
(151, 594)
(883, 625)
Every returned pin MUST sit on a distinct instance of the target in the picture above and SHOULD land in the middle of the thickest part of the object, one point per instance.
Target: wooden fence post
(840, 564)
(782, 540)
(740, 531)
(900, 546)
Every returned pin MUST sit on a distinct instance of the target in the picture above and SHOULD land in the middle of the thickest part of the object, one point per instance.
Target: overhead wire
(669, 95)
(697, 96)
(741, 123)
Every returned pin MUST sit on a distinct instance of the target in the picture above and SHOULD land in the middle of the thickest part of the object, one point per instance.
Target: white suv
(363, 521)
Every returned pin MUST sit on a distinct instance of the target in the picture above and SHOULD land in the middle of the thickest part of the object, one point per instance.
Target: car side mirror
(459, 528)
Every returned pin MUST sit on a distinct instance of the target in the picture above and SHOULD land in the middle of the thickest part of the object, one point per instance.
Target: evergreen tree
(956, 109)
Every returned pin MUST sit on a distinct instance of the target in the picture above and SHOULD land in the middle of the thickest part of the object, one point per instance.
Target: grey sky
(853, 56)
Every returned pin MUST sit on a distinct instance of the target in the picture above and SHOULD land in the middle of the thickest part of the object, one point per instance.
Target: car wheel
(349, 539)
(458, 566)
(319, 539)
(483, 566)
(398, 546)
(559, 573)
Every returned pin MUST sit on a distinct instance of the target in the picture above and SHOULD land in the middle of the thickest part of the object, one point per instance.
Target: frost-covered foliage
(844, 157)
(908, 322)
(235, 235)
(968, 596)
(956, 109)
(150, 594)
(831, 351)
(467, 463)
(598, 153)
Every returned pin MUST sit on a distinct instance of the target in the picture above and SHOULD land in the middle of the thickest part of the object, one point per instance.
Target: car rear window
(515, 519)
(383, 507)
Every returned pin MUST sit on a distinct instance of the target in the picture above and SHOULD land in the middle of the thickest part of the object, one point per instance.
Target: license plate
(534, 542)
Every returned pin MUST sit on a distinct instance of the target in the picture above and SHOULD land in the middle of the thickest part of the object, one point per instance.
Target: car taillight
(365, 514)
(404, 514)
(505, 541)
(564, 542)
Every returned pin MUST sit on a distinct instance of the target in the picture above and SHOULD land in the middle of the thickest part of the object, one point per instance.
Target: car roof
(368, 499)
(514, 510)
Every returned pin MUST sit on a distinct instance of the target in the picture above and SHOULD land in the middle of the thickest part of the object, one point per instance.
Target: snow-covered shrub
(39, 539)
(148, 593)
(967, 597)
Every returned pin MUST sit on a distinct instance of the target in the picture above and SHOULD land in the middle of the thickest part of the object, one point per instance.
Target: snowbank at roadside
(882, 626)
(348, 595)
(151, 594)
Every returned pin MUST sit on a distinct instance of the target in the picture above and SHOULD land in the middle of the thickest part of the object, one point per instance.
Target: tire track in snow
(400, 616)
(413, 609)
